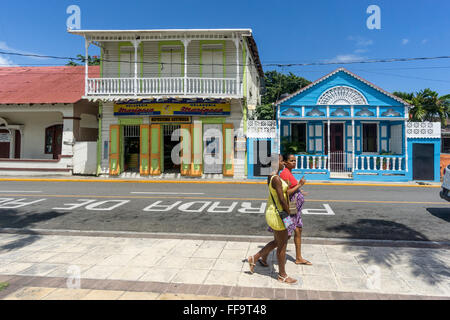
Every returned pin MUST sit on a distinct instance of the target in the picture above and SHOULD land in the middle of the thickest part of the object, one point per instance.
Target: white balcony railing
(164, 86)
(380, 163)
(312, 162)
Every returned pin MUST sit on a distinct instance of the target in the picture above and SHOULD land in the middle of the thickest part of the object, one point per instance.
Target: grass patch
(3, 285)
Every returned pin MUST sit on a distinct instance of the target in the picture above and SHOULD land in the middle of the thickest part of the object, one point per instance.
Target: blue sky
(297, 31)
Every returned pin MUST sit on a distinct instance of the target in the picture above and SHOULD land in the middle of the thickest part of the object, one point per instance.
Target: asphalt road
(360, 212)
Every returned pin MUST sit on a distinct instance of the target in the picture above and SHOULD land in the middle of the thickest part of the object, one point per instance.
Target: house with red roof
(44, 119)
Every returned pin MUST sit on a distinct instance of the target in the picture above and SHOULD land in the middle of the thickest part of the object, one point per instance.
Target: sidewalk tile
(316, 269)
(99, 272)
(14, 267)
(160, 274)
(301, 295)
(214, 290)
(213, 245)
(30, 293)
(426, 288)
(90, 258)
(117, 260)
(172, 262)
(145, 260)
(103, 295)
(268, 293)
(354, 284)
(193, 288)
(128, 273)
(233, 254)
(39, 256)
(200, 263)
(15, 255)
(348, 270)
(229, 278)
(253, 280)
(63, 258)
(182, 252)
(67, 294)
(191, 276)
(128, 295)
(167, 244)
(228, 265)
(211, 253)
(319, 283)
(237, 245)
(67, 270)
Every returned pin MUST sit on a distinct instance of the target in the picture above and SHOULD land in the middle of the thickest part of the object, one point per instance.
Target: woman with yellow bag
(278, 219)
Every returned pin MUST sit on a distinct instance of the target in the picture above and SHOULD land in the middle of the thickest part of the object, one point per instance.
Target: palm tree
(427, 105)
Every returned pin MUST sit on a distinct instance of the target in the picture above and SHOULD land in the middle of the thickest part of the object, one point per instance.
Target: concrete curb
(260, 182)
(236, 238)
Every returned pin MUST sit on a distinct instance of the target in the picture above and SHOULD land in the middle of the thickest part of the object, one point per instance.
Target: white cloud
(360, 51)
(405, 41)
(344, 58)
(6, 62)
(360, 42)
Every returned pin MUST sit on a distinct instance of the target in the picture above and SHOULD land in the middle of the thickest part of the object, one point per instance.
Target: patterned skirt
(298, 199)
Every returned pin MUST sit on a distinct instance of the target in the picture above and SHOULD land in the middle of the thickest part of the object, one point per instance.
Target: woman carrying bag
(278, 219)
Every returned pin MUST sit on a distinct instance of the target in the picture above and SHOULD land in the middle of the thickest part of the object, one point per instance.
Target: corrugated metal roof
(65, 84)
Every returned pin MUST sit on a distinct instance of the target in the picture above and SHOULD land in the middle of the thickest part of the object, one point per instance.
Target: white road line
(9, 191)
(185, 193)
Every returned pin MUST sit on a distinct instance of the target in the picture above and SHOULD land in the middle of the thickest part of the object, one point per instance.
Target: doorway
(131, 138)
(5, 139)
(423, 161)
(340, 161)
(170, 130)
(212, 148)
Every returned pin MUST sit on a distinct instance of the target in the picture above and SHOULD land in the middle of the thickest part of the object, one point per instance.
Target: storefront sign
(172, 108)
(171, 119)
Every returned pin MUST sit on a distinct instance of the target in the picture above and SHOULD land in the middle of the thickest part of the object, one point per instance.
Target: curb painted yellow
(217, 182)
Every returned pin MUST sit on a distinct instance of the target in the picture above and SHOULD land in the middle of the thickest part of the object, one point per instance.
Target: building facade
(344, 127)
(173, 102)
(46, 128)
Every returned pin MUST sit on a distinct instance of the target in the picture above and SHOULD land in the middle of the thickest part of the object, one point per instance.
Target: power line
(268, 64)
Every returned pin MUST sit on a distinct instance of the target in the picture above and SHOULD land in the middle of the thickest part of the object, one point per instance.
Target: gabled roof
(65, 84)
(312, 84)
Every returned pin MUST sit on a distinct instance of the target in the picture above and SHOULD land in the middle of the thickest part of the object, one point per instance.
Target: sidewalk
(47, 266)
(207, 180)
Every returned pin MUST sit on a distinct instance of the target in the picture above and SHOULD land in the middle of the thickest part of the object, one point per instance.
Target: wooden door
(144, 167)
(114, 150)
(228, 146)
(57, 141)
(155, 147)
(423, 161)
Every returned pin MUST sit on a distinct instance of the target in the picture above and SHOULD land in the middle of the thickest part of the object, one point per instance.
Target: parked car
(445, 194)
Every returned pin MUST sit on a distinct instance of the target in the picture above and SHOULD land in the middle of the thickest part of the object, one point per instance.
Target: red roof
(43, 84)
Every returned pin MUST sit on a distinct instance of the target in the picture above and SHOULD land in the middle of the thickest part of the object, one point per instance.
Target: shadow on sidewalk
(10, 218)
(425, 264)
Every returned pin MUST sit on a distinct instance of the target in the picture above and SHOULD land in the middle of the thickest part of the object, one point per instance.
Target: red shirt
(287, 175)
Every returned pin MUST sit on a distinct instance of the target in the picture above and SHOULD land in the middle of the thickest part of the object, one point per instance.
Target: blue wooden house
(344, 127)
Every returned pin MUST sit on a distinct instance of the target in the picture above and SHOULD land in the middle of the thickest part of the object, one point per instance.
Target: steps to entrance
(341, 175)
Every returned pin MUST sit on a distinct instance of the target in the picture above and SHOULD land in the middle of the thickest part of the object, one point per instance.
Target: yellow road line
(220, 182)
(209, 198)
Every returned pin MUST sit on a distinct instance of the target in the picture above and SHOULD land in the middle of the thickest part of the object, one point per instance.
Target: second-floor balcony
(165, 86)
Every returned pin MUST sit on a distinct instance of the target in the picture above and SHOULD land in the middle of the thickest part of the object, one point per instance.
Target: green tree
(92, 61)
(427, 105)
(276, 84)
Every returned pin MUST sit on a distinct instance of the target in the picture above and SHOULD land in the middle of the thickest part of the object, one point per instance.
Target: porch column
(185, 43)
(86, 63)
(353, 146)
(329, 148)
(352, 112)
(136, 46)
(236, 42)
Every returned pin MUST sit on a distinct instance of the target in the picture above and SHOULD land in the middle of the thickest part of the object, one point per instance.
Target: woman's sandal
(287, 280)
(251, 262)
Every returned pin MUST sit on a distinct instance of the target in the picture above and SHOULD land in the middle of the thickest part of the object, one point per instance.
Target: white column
(329, 148)
(86, 63)
(136, 46)
(185, 43)
(236, 42)
(353, 145)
